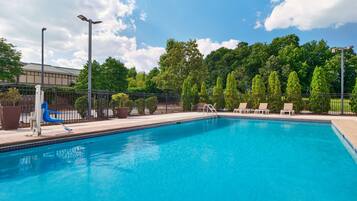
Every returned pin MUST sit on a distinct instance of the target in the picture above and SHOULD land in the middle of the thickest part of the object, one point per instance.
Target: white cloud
(258, 24)
(66, 38)
(143, 16)
(310, 14)
(206, 45)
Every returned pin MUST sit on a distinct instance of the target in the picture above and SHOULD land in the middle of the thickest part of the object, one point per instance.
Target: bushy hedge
(140, 105)
(130, 106)
(319, 98)
(151, 104)
(99, 105)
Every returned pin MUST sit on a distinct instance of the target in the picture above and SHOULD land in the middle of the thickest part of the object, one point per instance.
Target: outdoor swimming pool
(215, 159)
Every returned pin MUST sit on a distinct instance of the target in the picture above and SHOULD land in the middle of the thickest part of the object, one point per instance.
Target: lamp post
(90, 22)
(42, 55)
(342, 49)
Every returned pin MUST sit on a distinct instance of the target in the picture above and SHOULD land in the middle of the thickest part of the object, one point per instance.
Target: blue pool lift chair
(47, 116)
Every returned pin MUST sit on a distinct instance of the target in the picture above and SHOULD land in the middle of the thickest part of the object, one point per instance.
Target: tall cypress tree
(231, 92)
(195, 95)
(203, 93)
(353, 102)
(274, 90)
(293, 91)
(258, 91)
(319, 97)
(186, 94)
(218, 96)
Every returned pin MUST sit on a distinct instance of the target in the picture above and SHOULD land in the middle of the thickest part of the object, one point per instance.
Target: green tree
(150, 84)
(274, 90)
(97, 77)
(258, 91)
(217, 94)
(319, 98)
(186, 94)
(293, 91)
(114, 74)
(353, 102)
(111, 76)
(180, 60)
(231, 95)
(10, 64)
(203, 94)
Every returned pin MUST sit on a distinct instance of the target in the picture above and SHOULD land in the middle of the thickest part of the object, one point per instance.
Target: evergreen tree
(203, 93)
(319, 98)
(10, 64)
(274, 90)
(218, 96)
(186, 94)
(195, 95)
(231, 92)
(258, 91)
(293, 91)
(353, 102)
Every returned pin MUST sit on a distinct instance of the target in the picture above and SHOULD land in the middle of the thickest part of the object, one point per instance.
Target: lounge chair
(242, 108)
(263, 108)
(288, 108)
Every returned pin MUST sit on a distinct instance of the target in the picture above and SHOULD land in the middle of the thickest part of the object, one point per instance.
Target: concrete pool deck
(17, 139)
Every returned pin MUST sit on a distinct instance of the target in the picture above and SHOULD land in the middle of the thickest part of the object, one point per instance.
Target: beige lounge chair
(288, 108)
(242, 108)
(263, 109)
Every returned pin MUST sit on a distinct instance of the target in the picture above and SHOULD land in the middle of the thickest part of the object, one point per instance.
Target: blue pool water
(210, 160)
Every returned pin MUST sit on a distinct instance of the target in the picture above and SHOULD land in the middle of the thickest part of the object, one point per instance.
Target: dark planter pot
(10, 116)
(122, 112)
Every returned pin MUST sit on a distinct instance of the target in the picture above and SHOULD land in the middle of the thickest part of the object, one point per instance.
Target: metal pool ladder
(209, 108)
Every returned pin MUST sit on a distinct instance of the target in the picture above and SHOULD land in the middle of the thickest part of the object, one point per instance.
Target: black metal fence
(64, 99)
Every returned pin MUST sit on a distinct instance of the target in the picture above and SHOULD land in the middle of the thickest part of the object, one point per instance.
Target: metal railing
(63, 99)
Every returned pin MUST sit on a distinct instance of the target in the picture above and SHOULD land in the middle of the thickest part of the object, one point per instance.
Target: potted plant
(121, 101)
(9, 110)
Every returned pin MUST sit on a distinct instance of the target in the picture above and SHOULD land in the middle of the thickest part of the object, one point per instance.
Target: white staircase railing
(209, 108)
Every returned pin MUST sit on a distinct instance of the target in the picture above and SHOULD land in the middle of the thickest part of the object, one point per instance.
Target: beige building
(54, 75)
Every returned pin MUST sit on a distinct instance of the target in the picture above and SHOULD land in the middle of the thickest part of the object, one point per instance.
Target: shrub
(130, 106)
(151, 104)
(217, 94)
(120, 100)
(186, 94)
(274, 89)
(12, 97)
(81, 106)
(258, 91)
(293, 91)
(353, 102)
(203, 93)
(231, 92)
(319, 98)
(140, 105)
(99, 105)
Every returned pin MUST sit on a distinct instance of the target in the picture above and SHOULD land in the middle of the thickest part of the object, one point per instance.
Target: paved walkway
(347, 125)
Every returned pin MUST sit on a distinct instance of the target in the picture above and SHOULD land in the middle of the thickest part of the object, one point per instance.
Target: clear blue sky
(223, 20)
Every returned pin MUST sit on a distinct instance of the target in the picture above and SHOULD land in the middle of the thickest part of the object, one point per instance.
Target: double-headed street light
(342, 49)
(90, 22)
